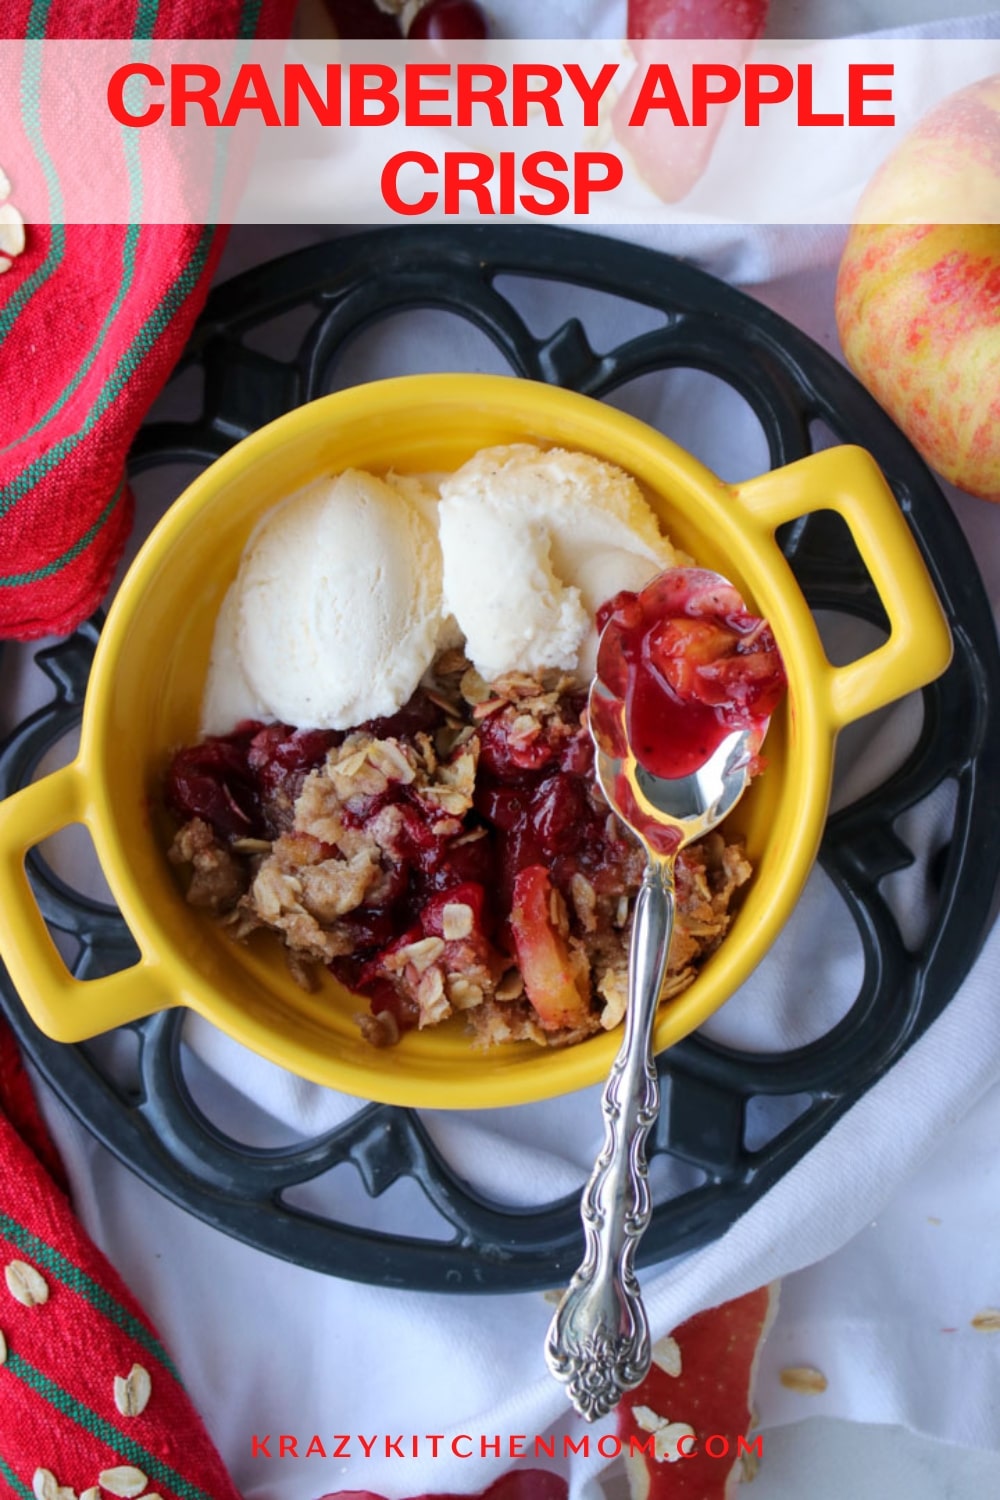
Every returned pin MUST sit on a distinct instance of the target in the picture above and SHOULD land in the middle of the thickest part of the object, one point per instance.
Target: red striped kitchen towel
(92, 319)
(90, 1401)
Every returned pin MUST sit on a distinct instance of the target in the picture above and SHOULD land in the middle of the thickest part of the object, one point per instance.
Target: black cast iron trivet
(340, 288)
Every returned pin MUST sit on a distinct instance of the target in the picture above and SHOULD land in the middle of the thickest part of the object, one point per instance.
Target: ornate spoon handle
(598, 1341)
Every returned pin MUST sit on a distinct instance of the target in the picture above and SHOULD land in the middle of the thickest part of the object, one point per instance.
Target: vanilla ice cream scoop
(336, 612)
(228, 698)
(533, 542)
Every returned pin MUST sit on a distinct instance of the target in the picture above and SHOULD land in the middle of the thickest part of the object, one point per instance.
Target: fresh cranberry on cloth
(92, 320)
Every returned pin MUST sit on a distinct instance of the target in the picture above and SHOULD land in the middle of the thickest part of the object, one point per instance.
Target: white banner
(597, 132)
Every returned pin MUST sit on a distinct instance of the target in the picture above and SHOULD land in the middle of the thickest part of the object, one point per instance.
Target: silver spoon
(598, 1342)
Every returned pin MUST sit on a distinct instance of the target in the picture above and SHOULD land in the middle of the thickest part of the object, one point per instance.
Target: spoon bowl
(661, 809)
(598, 1343)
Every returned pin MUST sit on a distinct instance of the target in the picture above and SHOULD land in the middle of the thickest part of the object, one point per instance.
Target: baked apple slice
(555, 977)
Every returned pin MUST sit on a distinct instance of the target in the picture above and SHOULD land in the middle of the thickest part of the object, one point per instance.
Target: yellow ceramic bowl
(144, 693)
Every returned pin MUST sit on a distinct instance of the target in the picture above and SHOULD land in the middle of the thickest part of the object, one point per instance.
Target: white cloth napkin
(886, 1231)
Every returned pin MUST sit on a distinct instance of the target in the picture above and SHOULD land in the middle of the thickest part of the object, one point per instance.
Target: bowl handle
(65, 1008)
(848, 481)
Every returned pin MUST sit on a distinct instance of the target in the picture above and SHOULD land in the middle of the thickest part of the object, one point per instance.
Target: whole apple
(918, 295)
(918, 311)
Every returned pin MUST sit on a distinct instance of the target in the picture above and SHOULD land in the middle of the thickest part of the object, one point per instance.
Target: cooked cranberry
(280, 758)
(419, 715)
(626, 609)
(348, 969)
(263, 748)
(416, 841)
(361, 20)
(309, 747)
(216, 756)
(361, 810)
(449, 21)
(245, 731)
(474, 860)
(467, 894)
(577, 754)
(211, 781)
(507, 757)
(559, 810)
(372, 930)
(394, 884)
(519, 849)
(376, 966)
(384, 996)
(291, 749)
(505, 807)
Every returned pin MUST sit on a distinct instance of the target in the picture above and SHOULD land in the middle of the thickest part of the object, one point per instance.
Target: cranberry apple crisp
(457, 856)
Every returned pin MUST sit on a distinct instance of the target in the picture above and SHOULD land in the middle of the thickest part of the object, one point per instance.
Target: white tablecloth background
(885, 1234)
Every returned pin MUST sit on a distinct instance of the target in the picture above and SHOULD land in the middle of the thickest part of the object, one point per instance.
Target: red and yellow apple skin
(918, 312)
(918, 293)
(947, 169)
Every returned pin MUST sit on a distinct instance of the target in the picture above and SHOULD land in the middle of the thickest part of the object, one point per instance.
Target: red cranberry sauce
(244, 783)
(690, 664)
(538, 796)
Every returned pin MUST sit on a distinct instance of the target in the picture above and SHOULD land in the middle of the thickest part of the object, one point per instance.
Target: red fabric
(57, 1380)
(65, 510)
(17, 1103)
(84, 350)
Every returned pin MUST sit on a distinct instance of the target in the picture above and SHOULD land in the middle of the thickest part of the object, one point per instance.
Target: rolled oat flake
(124, 1481)
(25, 1284)
(132, 1391)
